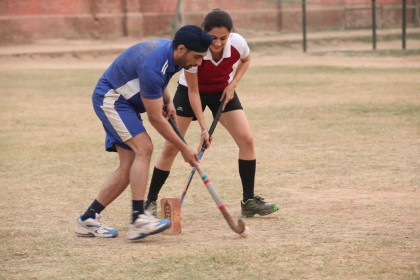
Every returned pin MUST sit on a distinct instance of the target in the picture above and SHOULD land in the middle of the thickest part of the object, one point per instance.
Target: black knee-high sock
(247, 174)
(95, 207)
(137, 209)
(158, 179)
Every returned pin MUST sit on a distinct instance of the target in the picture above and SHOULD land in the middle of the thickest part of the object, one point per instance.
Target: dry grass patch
(337, 147)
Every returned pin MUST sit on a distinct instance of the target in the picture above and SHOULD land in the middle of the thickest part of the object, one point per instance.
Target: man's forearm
(165, 129)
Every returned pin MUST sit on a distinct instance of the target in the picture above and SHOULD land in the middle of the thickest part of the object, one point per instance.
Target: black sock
(247, 174)
(137, 209)
(95, 207)
(158, 179)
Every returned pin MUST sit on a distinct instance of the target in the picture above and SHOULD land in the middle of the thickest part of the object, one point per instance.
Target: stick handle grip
(216, 117)
(215, 121)
(176, 129)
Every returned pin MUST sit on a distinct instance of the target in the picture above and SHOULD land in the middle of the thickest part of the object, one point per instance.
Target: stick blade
(241, 226)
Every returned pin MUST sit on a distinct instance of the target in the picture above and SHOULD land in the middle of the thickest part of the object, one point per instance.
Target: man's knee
(141, 145)
(145, 150)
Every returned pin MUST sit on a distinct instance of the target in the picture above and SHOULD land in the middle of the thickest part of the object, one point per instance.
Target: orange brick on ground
(171, 209)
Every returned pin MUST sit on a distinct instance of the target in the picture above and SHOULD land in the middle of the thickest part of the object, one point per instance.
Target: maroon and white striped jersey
(215, 76)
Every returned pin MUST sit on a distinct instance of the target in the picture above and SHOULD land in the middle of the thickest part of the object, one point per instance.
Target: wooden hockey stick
(203, 148)
(240, 228)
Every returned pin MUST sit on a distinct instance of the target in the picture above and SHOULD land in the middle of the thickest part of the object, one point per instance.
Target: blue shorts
(120, 120)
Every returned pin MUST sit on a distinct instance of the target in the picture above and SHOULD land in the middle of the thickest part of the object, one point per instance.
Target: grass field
(337, 147)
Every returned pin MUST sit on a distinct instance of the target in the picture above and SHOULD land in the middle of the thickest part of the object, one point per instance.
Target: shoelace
(151, 217)
(100, 222)
(259, 200)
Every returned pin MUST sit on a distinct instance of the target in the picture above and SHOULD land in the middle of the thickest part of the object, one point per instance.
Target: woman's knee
(247, 142)
(169, 150)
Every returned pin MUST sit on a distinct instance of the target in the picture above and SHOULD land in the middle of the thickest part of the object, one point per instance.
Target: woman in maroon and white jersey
(206, 86)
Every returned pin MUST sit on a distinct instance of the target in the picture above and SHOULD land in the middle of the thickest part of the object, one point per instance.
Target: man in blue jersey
(135, 83)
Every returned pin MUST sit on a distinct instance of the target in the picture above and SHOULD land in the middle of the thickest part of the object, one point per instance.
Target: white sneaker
(146, 225)
(94, 228)
(151, 206)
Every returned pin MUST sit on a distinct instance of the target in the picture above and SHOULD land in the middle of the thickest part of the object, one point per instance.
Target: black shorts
(211, 100)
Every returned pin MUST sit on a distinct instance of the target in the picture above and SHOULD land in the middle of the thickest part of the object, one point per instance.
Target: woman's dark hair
(217, 18)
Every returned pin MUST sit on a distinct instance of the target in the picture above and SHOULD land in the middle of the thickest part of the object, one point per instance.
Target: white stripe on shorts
(113, 116)
(130, 89)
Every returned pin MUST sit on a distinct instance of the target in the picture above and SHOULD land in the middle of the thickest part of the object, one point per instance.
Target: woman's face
(220, 36)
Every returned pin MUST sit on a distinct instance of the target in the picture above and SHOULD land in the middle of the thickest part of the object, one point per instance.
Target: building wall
(23, 21)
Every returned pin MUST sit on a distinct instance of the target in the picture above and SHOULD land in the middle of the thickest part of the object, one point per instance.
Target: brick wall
(23, 21)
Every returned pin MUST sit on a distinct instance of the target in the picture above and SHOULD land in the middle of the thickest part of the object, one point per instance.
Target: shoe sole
(84, 232)
(95, 235)
(262, 213)
(143, 235)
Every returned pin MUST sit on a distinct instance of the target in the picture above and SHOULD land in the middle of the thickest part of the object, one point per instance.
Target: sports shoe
(151, 206)
(258, 206)
(94, 228)
(146, 225)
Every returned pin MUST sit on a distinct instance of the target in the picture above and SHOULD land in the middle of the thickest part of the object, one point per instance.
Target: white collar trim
(226, 53)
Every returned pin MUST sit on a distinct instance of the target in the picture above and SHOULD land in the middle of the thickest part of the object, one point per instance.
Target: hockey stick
(203, 148)
(239, 228)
